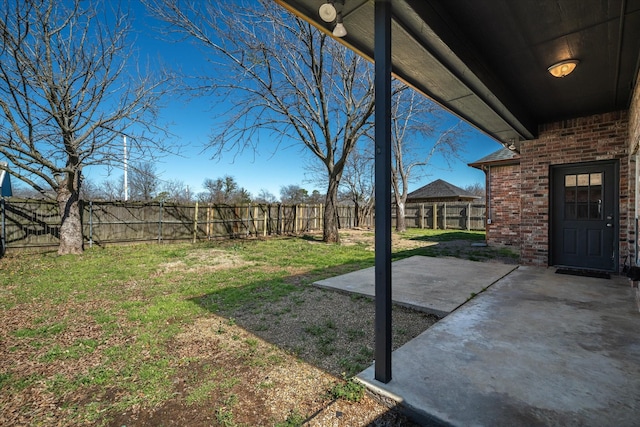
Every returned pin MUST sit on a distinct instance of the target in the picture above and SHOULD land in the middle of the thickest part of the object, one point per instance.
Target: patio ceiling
(486, 61)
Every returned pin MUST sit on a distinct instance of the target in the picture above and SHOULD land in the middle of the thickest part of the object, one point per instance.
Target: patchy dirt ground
(271, 363)
(252, 382)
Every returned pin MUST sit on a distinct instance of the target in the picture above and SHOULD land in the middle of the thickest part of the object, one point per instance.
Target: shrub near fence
(35, 223)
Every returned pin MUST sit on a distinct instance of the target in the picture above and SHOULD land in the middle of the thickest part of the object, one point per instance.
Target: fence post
(267, 215)
(295, 219)
(371, 217)
(249, 220)
(160, 223)
(212, 228)
(195, 224)
(435, 216)
(254, 219)
(90, 223)
(469, 216)
(421, 215)
(3, 231)
(316, 209)
(247, 225)
(207, 227)
(444, 216)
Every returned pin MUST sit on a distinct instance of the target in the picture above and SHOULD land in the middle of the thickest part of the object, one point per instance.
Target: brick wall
(585, 139)
(503, 183)
(634, 120)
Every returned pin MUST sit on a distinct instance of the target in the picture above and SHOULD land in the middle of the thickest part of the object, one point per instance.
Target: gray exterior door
(585, 216)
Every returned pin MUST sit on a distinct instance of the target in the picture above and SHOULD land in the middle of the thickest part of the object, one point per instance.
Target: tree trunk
(68, 197)
(330, 229)
(401, 223)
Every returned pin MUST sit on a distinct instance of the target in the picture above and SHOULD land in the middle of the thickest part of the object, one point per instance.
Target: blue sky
(193, 121)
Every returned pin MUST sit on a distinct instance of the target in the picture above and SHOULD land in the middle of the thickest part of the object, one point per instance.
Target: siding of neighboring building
(585, 139)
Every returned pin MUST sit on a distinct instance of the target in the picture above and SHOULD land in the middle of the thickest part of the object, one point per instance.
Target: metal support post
(382, 57)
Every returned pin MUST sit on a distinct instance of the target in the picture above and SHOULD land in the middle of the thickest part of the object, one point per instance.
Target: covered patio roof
(487, 61)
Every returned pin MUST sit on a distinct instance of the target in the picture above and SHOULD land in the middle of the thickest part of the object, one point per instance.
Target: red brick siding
(503, 210)
(585, 139)
(634, 119)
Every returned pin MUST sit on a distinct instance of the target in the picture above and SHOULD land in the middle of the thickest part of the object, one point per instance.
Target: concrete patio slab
(536, 348)
(433, 285)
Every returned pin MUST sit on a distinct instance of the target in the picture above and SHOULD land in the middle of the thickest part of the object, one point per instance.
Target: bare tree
(477, 189)
(358, 182)
(174, 191)
(265, 196)
(112, 190)
(293, 194)
(23, 191)
(280, 77)
(315, 198)
(89, 190)
(66, 97)
(416, 137)
(224, 190)
(143, 181)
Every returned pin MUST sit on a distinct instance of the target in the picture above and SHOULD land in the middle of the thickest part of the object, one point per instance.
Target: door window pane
(595, 196)
(583, 196)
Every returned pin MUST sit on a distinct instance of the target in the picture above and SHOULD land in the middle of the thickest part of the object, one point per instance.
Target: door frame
(553, 171)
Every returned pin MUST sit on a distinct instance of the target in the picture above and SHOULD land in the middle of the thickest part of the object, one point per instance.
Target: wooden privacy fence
(36, 223)
(445, 216)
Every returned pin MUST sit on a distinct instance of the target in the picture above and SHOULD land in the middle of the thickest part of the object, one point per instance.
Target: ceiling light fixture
(339, 30)
(563, 68)
(328, 12)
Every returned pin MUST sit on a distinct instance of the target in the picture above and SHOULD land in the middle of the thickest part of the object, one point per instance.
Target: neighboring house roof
(5, 182)
(440, 190)
(504, 156)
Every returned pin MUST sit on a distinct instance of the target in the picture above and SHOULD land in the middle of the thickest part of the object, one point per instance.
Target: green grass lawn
(85, 339)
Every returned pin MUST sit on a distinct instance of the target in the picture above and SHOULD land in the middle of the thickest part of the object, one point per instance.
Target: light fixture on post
(339, 30)
(328, 12)
(563, 68)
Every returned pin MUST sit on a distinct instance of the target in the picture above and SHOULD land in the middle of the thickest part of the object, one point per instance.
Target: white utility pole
(126, 187)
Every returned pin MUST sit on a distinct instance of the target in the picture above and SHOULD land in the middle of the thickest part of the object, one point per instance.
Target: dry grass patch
(203, 261)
